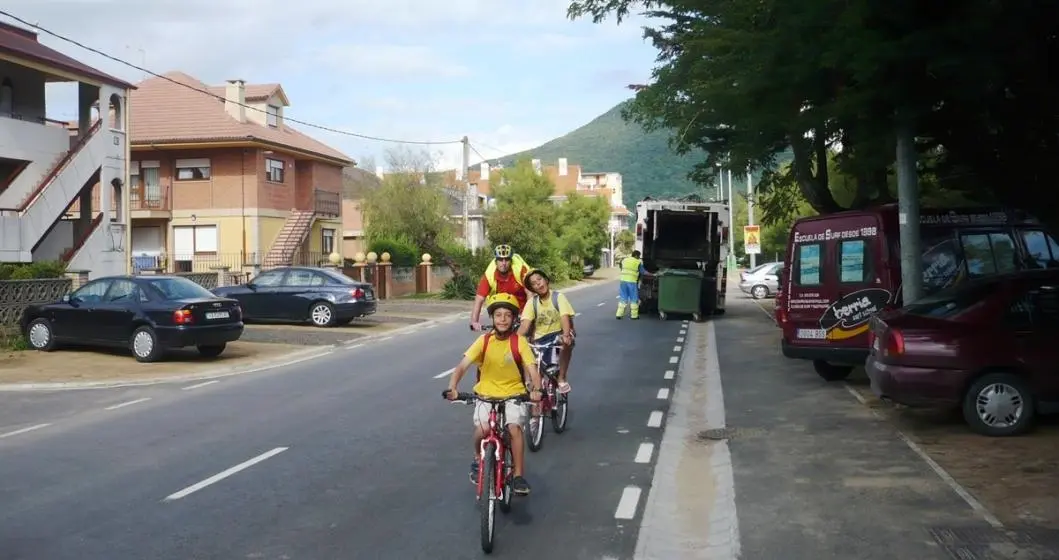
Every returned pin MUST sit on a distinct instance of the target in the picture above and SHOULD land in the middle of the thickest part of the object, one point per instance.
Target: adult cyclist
(505, 275)
(501, 376)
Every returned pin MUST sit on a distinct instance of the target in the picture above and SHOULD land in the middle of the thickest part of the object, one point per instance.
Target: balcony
(151, 203)
(327, 204)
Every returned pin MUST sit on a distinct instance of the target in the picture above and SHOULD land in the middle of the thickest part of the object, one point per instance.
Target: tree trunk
(815, 187)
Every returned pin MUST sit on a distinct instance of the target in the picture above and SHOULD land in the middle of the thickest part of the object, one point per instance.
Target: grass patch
(12, 340)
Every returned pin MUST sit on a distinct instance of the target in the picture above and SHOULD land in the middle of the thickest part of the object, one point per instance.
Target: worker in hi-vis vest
(628, 286)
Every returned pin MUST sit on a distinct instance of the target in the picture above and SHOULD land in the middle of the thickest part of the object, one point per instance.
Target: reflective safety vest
(630, 269)
(518, 267)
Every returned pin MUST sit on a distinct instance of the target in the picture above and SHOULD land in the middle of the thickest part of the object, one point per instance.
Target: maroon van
(843, 268)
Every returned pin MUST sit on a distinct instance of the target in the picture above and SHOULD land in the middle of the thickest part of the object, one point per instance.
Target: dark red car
(990, 346)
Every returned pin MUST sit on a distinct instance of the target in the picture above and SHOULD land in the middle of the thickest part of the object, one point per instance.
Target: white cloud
(402, 62)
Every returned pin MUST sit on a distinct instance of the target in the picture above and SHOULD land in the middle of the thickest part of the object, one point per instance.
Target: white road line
(683, 331)
(670, 374)
(445, 373)
(385, 338)
(678, 348)
(429, 326)
(663, 393)
(24, 430)
(938, 469)
(643, 454)
(601, 304)
(630, 498)
(680, 339)
(224, 474)
(577, 314)
(197, 385)
(352, 346)
(127, 403)
(674, 359)
(655, 420)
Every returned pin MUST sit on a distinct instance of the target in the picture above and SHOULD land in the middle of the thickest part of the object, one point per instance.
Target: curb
(287, 360)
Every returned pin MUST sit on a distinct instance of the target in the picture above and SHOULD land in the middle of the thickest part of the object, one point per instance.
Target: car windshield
(179, 288)
(758, 268)
(337, 276)
(952, 301)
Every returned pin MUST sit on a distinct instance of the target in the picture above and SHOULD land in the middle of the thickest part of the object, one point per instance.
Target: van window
(852, 259)
(989, 253)
(809, 265)
(1041, 249)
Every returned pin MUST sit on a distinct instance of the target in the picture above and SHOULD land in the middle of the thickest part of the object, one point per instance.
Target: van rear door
(834, 284)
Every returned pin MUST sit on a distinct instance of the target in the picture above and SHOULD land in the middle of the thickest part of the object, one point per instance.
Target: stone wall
(17, 295)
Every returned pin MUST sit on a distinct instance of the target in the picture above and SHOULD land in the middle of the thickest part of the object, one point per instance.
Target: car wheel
(759, 292)
(211, 350)
(40, 336)
(144, 345)
(831, 372)
(999, 405)
(322, 314)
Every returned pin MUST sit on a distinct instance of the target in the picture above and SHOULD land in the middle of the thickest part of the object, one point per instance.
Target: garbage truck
(684, 246)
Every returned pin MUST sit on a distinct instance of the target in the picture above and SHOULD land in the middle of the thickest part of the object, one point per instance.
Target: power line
(475, 150)
(214, 95)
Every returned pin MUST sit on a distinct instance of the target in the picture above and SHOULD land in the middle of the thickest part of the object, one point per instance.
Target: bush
(30, 271)
(460, 287)
(11, 339)
(403, 252)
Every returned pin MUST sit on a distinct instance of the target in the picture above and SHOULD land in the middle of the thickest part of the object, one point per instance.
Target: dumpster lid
(680, 272)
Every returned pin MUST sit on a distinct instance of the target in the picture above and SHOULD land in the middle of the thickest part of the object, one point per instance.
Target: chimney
(537, 166)
(485, 172)
(379, 173)
(235, 100)
(563, 169)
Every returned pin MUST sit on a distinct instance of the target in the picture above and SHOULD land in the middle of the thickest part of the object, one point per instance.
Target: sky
(509, 74)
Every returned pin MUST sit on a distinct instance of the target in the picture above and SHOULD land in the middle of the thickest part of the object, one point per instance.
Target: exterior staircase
(294, 233)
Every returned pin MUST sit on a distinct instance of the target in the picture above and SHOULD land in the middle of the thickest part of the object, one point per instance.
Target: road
(355, 455)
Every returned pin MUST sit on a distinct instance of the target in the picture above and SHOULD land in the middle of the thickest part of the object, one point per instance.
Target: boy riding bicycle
(502, 356)
(551, 317)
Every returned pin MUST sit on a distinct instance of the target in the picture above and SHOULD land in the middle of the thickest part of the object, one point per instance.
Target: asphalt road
(356, 456)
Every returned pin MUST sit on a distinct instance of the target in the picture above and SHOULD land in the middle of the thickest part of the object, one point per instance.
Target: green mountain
(647, 165)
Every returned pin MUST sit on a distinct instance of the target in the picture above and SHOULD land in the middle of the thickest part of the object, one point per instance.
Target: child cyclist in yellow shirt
(551, 317)
(498, 355)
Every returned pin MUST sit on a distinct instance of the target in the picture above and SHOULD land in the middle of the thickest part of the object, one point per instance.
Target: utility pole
(908, 212)
(731, 214)
(466, 171)
(750, 212)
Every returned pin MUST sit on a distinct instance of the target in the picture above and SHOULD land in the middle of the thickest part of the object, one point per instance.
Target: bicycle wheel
(560, 413)
(509, 469)
(535, 427)
(489, 497)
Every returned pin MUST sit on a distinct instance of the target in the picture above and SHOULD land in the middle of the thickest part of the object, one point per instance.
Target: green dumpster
(680, 291)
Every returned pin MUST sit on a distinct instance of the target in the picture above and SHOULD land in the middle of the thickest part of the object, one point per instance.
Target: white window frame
(204, 240)
(323, 240)
(272, 116)
(201, 164)
(272, 168)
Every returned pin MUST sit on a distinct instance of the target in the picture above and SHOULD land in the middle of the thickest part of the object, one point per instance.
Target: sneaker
(520, 486)
(618, 317)
(474, 473)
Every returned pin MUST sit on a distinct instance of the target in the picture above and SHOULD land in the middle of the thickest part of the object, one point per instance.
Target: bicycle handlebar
(470, 398)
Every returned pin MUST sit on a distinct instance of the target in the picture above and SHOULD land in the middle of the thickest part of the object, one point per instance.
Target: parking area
(1013, 478)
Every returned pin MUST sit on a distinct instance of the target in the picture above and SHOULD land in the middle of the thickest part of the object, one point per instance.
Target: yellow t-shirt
(500, 376)
(548, 321)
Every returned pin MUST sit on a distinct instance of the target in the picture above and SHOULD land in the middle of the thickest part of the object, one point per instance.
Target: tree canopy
(822, 80)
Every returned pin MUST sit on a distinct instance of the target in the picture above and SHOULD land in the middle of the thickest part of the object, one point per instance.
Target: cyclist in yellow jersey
(502, 357)
(551, 317)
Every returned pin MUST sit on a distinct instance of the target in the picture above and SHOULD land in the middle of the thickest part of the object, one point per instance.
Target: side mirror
(66, 299)
(251, 285)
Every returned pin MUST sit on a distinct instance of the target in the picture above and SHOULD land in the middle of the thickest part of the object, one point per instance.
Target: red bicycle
(553, 403)
(495, 464)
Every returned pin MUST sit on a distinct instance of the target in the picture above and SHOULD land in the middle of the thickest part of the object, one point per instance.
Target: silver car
(762, 281)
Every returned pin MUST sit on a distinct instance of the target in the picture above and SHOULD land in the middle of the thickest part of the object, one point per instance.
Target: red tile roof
(163, 112)
(23, 43)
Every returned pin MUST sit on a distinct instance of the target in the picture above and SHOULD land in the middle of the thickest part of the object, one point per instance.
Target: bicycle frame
(549, 376)
(497, 436)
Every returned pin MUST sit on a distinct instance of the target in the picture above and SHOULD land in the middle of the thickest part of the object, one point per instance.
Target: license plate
(812, 334)
(217, 315)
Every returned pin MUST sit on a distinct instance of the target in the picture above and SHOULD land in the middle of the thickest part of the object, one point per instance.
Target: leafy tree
(746, 82)
(409, 204)
(525, 218)
(581, 226)
(624, 241)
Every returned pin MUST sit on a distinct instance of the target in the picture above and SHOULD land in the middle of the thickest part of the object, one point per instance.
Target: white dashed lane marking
(445, 373)
(674, 359)
(655, 420)
(644, 453)
(197, 385)
(630, 498)
(224, 474)
(663, 393)
(24, 430)
(127, 403)
(670, 374)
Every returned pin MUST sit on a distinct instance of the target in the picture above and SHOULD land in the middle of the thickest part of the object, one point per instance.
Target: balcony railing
(157, 200)
(327, 203)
